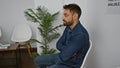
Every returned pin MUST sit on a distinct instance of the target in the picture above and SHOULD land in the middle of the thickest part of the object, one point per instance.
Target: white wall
(104, 32)
(102, 27)
(12, 13)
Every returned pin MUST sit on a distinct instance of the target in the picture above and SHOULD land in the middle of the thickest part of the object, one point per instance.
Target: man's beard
(68, 23)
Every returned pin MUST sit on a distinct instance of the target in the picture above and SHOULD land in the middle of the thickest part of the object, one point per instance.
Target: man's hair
(73, 8)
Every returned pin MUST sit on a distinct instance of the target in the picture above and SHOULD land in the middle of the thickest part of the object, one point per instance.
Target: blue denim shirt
(67, 35)
(73, 49)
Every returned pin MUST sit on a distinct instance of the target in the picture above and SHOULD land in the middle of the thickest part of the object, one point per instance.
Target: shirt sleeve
(60, 44)
(73, 46)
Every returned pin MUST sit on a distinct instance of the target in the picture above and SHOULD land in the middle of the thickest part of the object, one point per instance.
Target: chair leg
(28, 48)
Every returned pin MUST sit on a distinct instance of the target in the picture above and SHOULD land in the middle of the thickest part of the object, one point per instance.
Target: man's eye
(66, 15)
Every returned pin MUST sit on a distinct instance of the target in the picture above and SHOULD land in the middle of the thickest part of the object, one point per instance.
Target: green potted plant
(47, 31)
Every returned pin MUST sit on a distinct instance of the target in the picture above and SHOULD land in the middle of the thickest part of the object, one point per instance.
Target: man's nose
(63, 17)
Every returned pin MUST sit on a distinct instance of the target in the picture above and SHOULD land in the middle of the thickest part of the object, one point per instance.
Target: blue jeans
(46, 60)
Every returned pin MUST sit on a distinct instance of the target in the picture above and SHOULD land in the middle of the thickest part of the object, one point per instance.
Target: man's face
(67, 17)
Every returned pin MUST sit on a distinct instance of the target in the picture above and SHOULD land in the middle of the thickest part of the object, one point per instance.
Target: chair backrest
(83, 63)
(21, 33)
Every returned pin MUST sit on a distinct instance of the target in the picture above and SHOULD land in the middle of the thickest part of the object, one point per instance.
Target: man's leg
(46, 60)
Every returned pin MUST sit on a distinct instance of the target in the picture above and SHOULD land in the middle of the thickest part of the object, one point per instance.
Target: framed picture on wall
(113, 6)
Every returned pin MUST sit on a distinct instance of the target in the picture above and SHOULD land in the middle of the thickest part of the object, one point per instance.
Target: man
(73, 44)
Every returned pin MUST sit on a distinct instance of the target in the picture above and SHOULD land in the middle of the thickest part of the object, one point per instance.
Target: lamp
(21, 34)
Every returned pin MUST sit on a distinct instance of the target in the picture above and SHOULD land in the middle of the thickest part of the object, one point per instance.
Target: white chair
(0, 35)
(3, 45)
(83, 63)
(21, 34)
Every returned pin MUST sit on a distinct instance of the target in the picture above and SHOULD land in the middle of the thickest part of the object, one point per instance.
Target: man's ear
(75, 16)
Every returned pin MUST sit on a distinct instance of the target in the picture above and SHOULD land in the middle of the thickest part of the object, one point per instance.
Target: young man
(73, 44)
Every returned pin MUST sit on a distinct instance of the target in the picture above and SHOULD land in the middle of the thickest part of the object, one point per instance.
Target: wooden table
(12, 47)
(6, 54)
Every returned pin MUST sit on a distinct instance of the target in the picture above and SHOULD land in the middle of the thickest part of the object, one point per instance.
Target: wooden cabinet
(9, 58)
